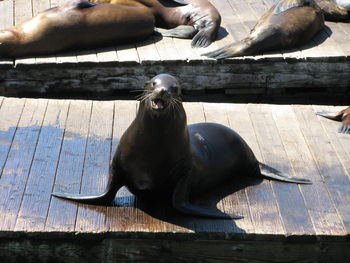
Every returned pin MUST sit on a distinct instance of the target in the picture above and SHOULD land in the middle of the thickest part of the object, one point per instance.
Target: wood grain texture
(70, 167)
(37, 195)
(19, 161)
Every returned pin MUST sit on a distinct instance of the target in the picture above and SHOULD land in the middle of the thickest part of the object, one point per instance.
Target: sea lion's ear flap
(148, 84)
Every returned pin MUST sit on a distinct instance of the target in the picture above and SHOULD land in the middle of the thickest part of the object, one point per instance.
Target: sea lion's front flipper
(271, 173)
(344, 128)
(182, 31)
(180, 201)
(335, 117)
(202, 38)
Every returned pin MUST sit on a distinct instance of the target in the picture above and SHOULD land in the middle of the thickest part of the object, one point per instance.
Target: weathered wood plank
(107, 54)
(18, 164)
(290, 201)
(147, 51)
(128, 53)
(340, 142)
(10, 113)
(37, 195)
(263, 207)
(322, 212)
(96, 166)
(328, 164)
(62, 213)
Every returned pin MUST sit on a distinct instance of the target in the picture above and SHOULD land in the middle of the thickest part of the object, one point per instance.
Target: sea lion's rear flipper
(180, 201)
(202, 38)
(182, 31)
(232, 50)
(271, 173)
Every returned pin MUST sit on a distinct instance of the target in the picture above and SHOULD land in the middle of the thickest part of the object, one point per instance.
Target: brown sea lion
(288, 24)
(76, 24)
(335, 10)
(82, 24)
(342, 116)
(160, 156)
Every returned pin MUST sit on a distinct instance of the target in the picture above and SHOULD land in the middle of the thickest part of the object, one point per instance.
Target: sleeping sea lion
(288, 24)
(82, 24)
(160, 157)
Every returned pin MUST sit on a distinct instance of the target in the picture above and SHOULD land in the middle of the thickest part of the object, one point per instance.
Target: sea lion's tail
(274, 174)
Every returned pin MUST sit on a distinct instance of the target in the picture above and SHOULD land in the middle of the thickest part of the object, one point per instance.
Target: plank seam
(59, 154)
(319, 171)
(32, 160)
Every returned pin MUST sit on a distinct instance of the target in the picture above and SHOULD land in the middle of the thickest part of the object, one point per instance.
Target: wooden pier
(51, 145)
(320, 70)
(66, 145)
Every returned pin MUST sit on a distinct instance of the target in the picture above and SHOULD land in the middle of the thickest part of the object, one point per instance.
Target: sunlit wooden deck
(320, 70)
(67, 145)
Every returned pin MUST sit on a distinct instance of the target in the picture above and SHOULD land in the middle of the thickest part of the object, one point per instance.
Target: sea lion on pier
(82, 24)
(342, 116)
(160, 156)
(288, 24)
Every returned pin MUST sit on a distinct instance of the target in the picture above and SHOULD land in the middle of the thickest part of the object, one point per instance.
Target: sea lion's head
(162, 93)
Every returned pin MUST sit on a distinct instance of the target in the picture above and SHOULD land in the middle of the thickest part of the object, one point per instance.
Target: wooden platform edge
(81, 248)
(247, 78)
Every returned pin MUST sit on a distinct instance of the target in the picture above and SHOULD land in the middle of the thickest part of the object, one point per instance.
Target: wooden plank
(328, 163)
(17, 167)
(96, 166)
(236, 203)
(62, 213)
(339, 33)
(290, 201)
(166, 49)
(10, 113)
(340, 142)
(263, 207)
(37, 195)
(108, 54)
(127, 53)
(322, 212)
(147, 51)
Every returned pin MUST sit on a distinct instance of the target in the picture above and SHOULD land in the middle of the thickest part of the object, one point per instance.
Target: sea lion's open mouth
(158, 104)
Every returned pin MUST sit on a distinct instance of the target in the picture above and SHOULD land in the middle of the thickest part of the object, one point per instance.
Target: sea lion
(160, 156)
(82, 24)
(288, 24)
(76, 24)
(343, 116)
(335, 10)
(193, 18)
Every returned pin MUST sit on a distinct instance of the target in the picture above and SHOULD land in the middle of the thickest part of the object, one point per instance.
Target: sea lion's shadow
(163, 211)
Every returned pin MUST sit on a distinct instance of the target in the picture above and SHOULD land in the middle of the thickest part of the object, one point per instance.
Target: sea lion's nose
(162, 91)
